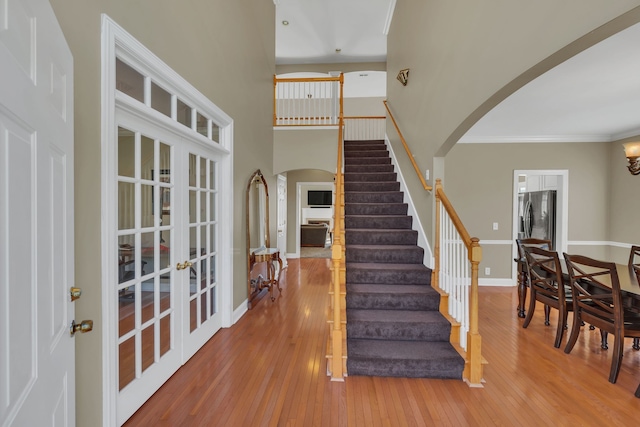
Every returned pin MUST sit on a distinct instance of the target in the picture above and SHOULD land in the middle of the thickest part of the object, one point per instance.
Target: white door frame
(562, 210)
(281, 218)
(117, 42)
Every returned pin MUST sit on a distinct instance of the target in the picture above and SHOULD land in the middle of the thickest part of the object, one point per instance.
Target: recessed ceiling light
(285, 22)
(338, 50)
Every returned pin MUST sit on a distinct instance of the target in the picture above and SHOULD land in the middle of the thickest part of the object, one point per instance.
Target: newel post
(474, 340)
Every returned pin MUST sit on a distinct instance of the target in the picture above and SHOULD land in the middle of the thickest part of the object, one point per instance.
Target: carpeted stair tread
(378, 221)
(397, 325)
(392, 297)
(371, 186)
(373, 236)
(374, 197)
(367, 161)
(369, 177)
(413, 359)
(364, 147)
(410, 254)
(366, 153)
(401, 274)
(368, 168)
(376, 209)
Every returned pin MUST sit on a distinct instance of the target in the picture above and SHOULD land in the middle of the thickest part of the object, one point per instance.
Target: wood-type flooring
(269, 369)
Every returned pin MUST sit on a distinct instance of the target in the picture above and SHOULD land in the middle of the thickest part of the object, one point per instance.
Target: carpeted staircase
(394, 327)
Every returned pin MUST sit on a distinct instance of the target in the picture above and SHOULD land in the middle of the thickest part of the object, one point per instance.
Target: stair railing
(307, 101)
(457, 256)
(337, 366)
(406, 148)
(365, 128)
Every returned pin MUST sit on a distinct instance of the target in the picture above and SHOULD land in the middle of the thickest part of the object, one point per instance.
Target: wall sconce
(403, 76)
(632, 151)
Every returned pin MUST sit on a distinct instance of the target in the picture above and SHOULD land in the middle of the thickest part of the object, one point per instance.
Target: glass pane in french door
(144, 240)
(203, 223)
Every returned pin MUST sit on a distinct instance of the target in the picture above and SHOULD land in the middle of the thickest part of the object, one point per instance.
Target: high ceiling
(594, 96)
(317, 28)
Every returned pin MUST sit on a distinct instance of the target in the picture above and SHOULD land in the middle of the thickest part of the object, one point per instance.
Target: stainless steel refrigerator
(537, 215)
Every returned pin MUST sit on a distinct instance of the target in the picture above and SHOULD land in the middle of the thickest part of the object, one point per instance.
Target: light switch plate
(495, 225)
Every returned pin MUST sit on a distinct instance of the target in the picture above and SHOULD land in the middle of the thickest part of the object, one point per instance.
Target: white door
(200, 288)
(282, 218)
(146, 294)
(168, 260)
(37, 356)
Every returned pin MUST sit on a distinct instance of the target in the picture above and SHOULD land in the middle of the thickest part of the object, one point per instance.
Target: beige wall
(624, 202)
(226, 50)
(479, 183)
(299, 148)
(326, 68)
(465, 57)
(370, 106)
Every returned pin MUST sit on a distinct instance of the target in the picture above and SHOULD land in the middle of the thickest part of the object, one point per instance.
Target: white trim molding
(487, 281)
(118, 43)
(417, 225)
(599, 243)
(496, 242)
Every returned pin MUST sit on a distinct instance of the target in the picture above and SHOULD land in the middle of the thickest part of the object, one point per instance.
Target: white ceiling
(318, 27)
(594, 96)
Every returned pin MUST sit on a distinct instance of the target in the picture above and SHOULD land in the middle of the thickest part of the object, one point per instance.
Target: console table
(269, 256)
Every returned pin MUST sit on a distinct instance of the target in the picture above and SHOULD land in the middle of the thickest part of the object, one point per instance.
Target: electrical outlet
(487, 271)
(426, 174)
(495, 225)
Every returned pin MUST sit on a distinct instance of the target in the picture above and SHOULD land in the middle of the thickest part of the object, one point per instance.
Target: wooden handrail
(457, 222)
(406, 147)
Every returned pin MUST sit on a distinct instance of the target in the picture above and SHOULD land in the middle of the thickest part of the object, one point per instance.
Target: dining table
(629, 285)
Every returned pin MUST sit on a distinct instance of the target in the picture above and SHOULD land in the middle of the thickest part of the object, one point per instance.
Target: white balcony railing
(365, 128)
(307, 101)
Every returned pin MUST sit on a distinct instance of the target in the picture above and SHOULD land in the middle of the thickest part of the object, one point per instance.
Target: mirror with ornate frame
(261, 258)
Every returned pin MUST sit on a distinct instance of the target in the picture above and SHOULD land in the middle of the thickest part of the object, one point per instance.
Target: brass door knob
(75, 293)
(182, 266)
(84, 326)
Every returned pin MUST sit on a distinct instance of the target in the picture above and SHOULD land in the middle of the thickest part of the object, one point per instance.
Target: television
(319, 198)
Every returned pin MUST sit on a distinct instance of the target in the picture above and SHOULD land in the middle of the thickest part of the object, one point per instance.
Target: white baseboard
(487, 281)
(293, 255)
(240, 311)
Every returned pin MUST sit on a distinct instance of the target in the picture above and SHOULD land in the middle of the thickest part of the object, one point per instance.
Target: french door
(167, 240)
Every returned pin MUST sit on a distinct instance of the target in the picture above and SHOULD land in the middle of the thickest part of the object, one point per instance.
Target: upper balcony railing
(315, 101)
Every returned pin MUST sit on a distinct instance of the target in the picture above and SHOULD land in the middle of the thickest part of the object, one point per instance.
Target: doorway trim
(116, 42)
(562, 210)
(299, 186)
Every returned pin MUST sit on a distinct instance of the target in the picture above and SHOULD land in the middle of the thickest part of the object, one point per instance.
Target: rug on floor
(315, 252)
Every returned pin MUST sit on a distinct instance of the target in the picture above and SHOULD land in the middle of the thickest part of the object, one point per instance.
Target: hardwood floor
(269, 369)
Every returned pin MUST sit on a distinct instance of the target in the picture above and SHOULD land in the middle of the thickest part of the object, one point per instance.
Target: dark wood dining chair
(522, 272)
(634, 263)
(597, 300)
(546, 285)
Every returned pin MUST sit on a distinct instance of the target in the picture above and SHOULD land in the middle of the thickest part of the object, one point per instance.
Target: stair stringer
(417, 225)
